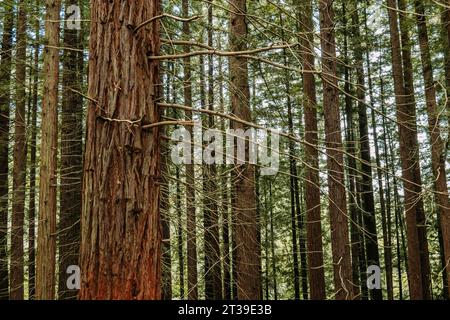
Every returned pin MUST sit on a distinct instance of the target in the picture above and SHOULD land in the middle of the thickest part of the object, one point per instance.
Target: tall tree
(245, 224)
(437, 145)
(33, 163)
(293, 180)
(46, 250)
(120, 225)
(368, 202)
(357, 240)
(17, 273)
(445, 19)
(71, 147)
(406, 119)
(385, 206)
(165, 214)
(190, 173)
(213, 279)
(312, 190)
(408, 73)
(343, 276)
(5, 101)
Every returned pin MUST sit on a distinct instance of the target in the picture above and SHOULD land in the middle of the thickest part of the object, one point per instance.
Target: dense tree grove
(212, 149)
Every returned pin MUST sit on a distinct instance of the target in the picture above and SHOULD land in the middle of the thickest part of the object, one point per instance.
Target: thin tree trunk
(437, 145)
(19, 170)
(385, 210)
(292, 174)
(226, 252)
(343, 276)
(179, 233)
(217, 270)
(33, 163)
(190, 175)
(5, 101)
(368, 202)
(120, 226)
(445, 18)
(272, 245)
(312, 190)
(406, 118)
(246, 225)
(213, 272)
(356, 238)
(406, 45)
(71, 155)
(164, 205)
(388, 158)
(178, 208)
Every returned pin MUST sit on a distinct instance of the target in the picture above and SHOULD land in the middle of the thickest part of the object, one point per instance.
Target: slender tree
(406, 118)
(437, 145)
(312, 190)
(16, 271)
(408, 73)
(213, 279)
(190, 173)
(356, 237)
(33, 164)
(368, 201)
(165, 214)
(5, 101)
(71, 151)
(343, 277)
(46, 249)
(245, 224)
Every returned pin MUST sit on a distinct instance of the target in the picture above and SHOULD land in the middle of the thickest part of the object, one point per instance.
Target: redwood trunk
(406, 118)
(245, 224)
(46, 250)
(343, 276)
(120, 225)
(17, 252)
(312, 190)
(437, 145)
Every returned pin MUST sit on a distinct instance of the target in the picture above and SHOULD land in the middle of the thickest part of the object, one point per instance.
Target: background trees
(358, 90)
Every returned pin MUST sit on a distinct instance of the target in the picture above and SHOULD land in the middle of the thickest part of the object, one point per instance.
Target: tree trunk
(5, 101)
(292, 172)
(272, 245)
(437, 145)
(33, 163)
(213, 272)
(385, 209)
(368, 202)
(19, 170)
(246, 225)
(406, 118)
(356, 238)
(179, 234)
(120, 226)
(446, 41)
(312, 189)
(71, 155)
(165, 199)
(343, 277)
(190, 174)
(46, 250)
(226, 252)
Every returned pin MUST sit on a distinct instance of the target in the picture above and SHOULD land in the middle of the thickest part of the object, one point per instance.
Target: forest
(224, 150)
